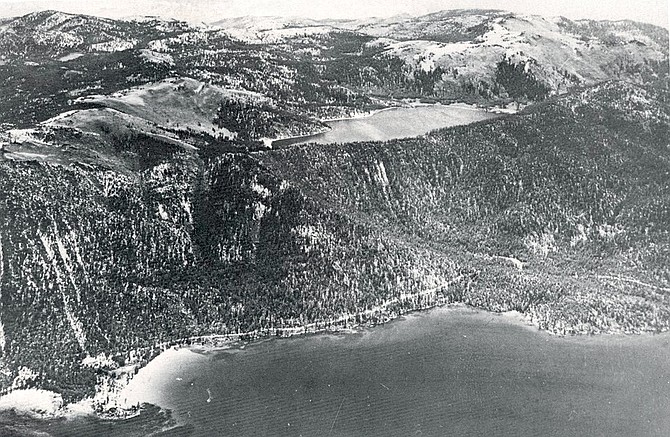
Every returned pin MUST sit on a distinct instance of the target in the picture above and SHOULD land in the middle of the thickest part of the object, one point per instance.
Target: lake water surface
(393, 124)
(446, 372)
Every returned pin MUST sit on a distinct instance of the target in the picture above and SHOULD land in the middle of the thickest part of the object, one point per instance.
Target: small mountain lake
(448, 371)
(393, 123)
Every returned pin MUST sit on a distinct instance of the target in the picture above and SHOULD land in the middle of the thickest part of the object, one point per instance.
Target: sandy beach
(171, 365)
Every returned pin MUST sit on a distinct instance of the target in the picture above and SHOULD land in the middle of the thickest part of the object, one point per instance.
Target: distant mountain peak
(457, 12)
(49, 13)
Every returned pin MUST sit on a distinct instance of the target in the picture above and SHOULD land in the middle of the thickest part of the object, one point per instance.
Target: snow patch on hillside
(158, 45)
(24, 376)
(70, 57)
(380, 174)
(434, 52)
(277, 29)
(21, 136)
(99, 361)
(114, 46)
(272, 29)
(259, 210)
(54, 121)
(136, 98)
(57, 39)
(277, 35)
(54, 20)
(259, 189)
(3, 340)
(157, 58)
(426, 54)
(500, 36)
(74, 322)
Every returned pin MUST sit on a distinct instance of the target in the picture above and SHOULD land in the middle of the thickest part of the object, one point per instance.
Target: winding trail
(633, 281)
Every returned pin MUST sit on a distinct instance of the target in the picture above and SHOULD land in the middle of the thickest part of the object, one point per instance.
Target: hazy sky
(650, 11)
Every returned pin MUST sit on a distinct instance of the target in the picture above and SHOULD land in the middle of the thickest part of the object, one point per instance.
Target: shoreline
(196, 351)
(347, 324)
(116, 385)
(364, 115)
(270, 142)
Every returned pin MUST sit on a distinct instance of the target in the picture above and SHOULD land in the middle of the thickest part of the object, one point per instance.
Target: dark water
(441, 373)
(393, 124)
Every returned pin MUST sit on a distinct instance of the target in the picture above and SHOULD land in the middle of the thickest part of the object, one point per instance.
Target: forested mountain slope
(140, 208)
(559, 212)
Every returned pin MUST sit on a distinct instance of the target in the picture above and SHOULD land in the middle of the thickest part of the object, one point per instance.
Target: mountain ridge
(332, 72)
